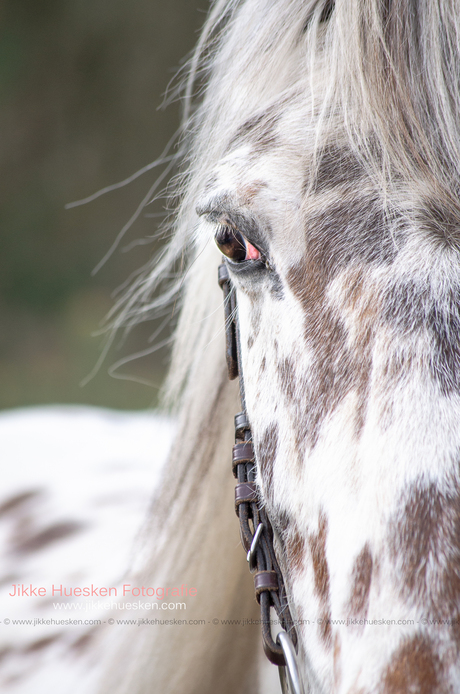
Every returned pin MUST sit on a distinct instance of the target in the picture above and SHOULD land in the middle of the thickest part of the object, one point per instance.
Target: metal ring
(289, 675)
(251, 556)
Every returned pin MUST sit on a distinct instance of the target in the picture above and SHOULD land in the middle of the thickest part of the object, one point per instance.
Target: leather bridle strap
(255, 527)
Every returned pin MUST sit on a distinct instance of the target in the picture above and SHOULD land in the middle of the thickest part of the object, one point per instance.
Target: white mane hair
(381, 76)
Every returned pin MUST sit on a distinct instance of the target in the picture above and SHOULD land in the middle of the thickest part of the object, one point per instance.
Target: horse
(321, 148)
(323, 158)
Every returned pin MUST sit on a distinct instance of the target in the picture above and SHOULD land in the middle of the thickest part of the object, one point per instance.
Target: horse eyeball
(231, 243)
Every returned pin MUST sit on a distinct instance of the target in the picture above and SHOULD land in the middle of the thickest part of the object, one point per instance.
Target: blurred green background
(80, 86)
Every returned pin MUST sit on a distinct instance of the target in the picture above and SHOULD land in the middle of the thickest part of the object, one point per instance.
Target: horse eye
(231, 243)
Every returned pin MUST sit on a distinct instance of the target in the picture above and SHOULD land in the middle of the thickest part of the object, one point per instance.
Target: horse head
(333, 194)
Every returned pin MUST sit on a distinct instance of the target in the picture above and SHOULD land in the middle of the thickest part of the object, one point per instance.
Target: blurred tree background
(80, 86)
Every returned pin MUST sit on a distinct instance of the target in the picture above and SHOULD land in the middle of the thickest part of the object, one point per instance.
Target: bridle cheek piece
(255, 527)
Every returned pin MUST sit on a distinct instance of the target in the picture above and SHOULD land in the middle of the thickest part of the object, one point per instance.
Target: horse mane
(392, 93)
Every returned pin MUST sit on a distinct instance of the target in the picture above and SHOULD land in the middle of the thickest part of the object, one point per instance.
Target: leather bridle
(255, 527)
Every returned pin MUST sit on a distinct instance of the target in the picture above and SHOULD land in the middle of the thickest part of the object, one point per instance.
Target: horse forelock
(327, 134)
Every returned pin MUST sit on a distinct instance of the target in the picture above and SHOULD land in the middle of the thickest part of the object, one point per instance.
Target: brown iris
(231, 243)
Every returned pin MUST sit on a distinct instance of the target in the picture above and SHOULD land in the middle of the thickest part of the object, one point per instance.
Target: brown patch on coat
(353, 288)
(366, 308)
(425, 543)
(17, 501)
(296, 550)
(441, 220)
(444, 325)
(255, 320)
(317, 544)
(396, 369)
(325, 631)
(397, 366)
(5, 653)
(416, 536)
(56, 532)
(358, 603)
(445, 362)
(353, 232)
(287, 376)
(336, 370)
(40, 644)
(411, 308)
(260, 131)
(266, 450)
(337, 167)
(84, 642)
(276, 286)
(414, 669)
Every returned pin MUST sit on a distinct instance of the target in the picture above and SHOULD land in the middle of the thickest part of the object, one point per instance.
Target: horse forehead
(269, 182)
(263, 169)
